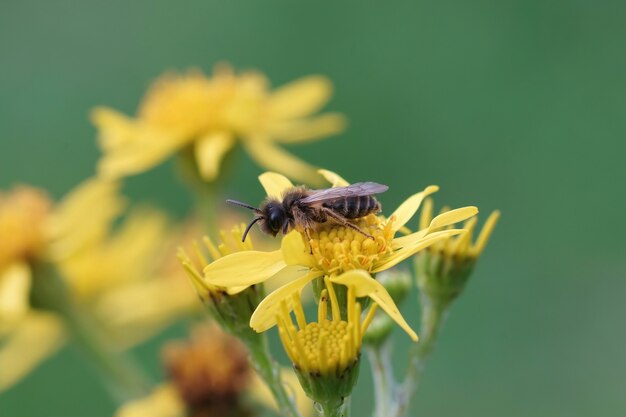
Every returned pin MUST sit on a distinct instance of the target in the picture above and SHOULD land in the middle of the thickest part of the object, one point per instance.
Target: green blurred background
(516, 105)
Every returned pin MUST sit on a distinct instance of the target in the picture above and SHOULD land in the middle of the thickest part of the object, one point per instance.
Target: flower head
(209, 114)
(329, 345)
(443, 269)
(336, 250)
(207, 376)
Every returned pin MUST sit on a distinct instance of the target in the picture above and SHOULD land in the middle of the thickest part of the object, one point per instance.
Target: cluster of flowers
(68, 272)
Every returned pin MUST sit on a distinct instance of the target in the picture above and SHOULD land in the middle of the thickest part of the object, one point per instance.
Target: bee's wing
(355, 190)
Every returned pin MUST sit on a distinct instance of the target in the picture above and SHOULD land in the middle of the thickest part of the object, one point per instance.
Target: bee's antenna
(240, 204)
(245, 233)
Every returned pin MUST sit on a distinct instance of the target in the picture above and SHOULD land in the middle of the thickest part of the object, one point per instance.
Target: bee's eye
(275, 220)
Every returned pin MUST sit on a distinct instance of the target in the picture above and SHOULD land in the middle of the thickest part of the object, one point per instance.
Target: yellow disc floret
(330, 345)
(337, 248)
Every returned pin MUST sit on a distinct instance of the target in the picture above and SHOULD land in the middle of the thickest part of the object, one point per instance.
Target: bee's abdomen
(354, 207)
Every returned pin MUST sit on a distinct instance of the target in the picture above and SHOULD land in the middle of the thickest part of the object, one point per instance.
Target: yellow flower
(327, 346)
(208, 115)
(209, 376)
(108, 275)
(461, 247)
(336, 249)
(33, 230)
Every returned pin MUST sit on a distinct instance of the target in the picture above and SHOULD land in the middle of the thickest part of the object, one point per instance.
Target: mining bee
(303, 209)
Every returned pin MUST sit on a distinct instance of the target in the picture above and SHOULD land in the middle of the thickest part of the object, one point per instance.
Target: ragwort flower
(33, 230)
(444, 269)
(208, 115)
(63, 260)
(336, 249)
(209, 375)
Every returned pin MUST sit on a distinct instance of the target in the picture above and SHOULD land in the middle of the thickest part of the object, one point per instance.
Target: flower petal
(301, 97)
(15, 283)
(304, 130)
(264, 317)
(412, 246)
(275, 184)
(485, 233)
(295, 250)
(333, 178)
(407, 209)
(38, 336)
(129, 146)
(366, 286)
(276, 159)
(164, 401)
(244, 268)
(210, 150)
(445, 219)
(261, 393)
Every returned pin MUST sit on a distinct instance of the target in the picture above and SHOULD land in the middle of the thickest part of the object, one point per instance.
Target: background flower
(207, 115)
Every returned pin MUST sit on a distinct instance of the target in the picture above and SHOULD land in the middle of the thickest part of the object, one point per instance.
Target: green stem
(332, 409)
(121, 376)
(269, 371)
(433, 317)
(384, 382)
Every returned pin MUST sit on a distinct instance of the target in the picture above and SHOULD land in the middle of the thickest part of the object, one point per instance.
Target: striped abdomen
(354, 207)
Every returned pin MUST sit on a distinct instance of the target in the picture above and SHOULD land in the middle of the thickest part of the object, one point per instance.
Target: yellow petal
(453, 216)
(366, 286)
(130, 146)
(445, 219)
(83, 217)
(276, 159)
(301, 97)
(275, 184)
(210, 150)
(485, 233)
(264, 317)
(407, 209)
(295, 250)
(38, 336)
(244, 268)
(305, 130)
(413, 243)
(15, 283)
(259, 390)
(333, 178)
(164, 401)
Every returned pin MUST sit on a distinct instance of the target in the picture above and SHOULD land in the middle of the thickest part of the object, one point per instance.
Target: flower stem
(332, 409)
(121, 376)
(433, 317)
(269, 371)
(384, 383)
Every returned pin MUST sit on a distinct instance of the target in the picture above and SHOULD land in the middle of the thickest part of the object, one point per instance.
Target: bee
(304, 209)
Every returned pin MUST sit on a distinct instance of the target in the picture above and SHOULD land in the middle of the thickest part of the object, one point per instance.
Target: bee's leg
(345, 222)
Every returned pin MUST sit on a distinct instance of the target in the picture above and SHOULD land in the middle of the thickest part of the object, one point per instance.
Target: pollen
(329, 345)
(338, 248)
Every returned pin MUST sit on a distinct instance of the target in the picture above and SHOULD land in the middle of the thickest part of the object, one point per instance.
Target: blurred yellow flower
(32, 230)
(112, 276)
(208, 115)
(208, 376)
(336, 249)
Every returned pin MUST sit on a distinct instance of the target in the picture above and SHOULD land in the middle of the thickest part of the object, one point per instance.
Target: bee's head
(271, 216)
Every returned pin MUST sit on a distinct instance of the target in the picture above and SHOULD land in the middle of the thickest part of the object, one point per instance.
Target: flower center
(326, 345)
(338, 248)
